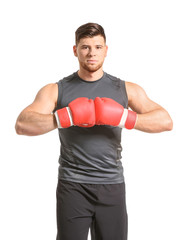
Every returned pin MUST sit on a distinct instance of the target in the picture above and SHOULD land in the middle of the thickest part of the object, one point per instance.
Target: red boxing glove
(80, 112)
(109, 112)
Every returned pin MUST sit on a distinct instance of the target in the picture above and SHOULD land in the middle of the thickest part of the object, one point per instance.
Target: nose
(92, 52)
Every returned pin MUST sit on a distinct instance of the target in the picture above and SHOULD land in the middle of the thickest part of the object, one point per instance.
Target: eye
(85, 47)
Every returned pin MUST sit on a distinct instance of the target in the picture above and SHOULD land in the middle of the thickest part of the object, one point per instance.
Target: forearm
(154, 122)
(32, 123)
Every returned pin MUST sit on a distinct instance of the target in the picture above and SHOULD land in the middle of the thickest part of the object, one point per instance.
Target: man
(90, 108)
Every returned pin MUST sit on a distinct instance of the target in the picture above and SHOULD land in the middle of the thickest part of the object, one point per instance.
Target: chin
(92, 68)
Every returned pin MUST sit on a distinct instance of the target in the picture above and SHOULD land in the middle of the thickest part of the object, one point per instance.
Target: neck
(90, 76)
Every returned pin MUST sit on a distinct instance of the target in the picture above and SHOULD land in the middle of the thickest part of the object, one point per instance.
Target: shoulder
(49, 89)
(115, 80)
(111, 77)
(137, 96)
(134, 90)
(45, 100)
(48, 93)
(68, 78)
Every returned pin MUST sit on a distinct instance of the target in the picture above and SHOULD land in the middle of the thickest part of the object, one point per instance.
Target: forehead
(96, 40)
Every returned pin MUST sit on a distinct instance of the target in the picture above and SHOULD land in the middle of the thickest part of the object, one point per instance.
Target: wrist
(63, 118)
(128, 119)
(131, 120)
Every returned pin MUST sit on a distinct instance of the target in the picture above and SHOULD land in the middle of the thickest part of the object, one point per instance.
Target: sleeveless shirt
(91, 155)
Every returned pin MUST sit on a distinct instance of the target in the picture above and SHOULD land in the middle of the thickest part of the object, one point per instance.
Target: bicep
(45, 100)
(138, 99)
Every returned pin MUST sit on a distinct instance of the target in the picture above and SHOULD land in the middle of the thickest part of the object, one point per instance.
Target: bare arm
(37, 118)
(152, 118)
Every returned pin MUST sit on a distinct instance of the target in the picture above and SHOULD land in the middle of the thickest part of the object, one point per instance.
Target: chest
(71, 90)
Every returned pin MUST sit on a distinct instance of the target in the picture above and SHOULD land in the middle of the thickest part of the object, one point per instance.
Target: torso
(91, 155)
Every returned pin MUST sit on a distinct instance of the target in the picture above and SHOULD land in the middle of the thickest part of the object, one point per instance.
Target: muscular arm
(151, 117)
(37, 118)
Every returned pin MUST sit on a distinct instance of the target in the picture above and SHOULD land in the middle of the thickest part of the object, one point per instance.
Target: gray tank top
(91, 155)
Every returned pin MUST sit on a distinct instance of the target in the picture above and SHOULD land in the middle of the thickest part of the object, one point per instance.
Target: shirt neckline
(77, 75)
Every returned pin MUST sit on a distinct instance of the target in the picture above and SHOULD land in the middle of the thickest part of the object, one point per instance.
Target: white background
(150, 43)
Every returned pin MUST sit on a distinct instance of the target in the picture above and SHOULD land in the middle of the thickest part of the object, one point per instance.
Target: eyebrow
(97, 45)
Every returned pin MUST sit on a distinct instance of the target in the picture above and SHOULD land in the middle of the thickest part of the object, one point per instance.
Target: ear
(106, 51)
(75, 50)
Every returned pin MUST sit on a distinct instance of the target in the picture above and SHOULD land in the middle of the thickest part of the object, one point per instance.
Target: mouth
(92, 61)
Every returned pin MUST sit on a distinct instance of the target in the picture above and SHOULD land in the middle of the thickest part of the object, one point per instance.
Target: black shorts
(98, 207)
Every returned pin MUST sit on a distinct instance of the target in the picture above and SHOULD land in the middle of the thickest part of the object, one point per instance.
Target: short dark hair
(89, 30)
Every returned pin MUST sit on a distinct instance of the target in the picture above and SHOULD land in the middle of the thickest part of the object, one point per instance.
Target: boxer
(90, 108)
